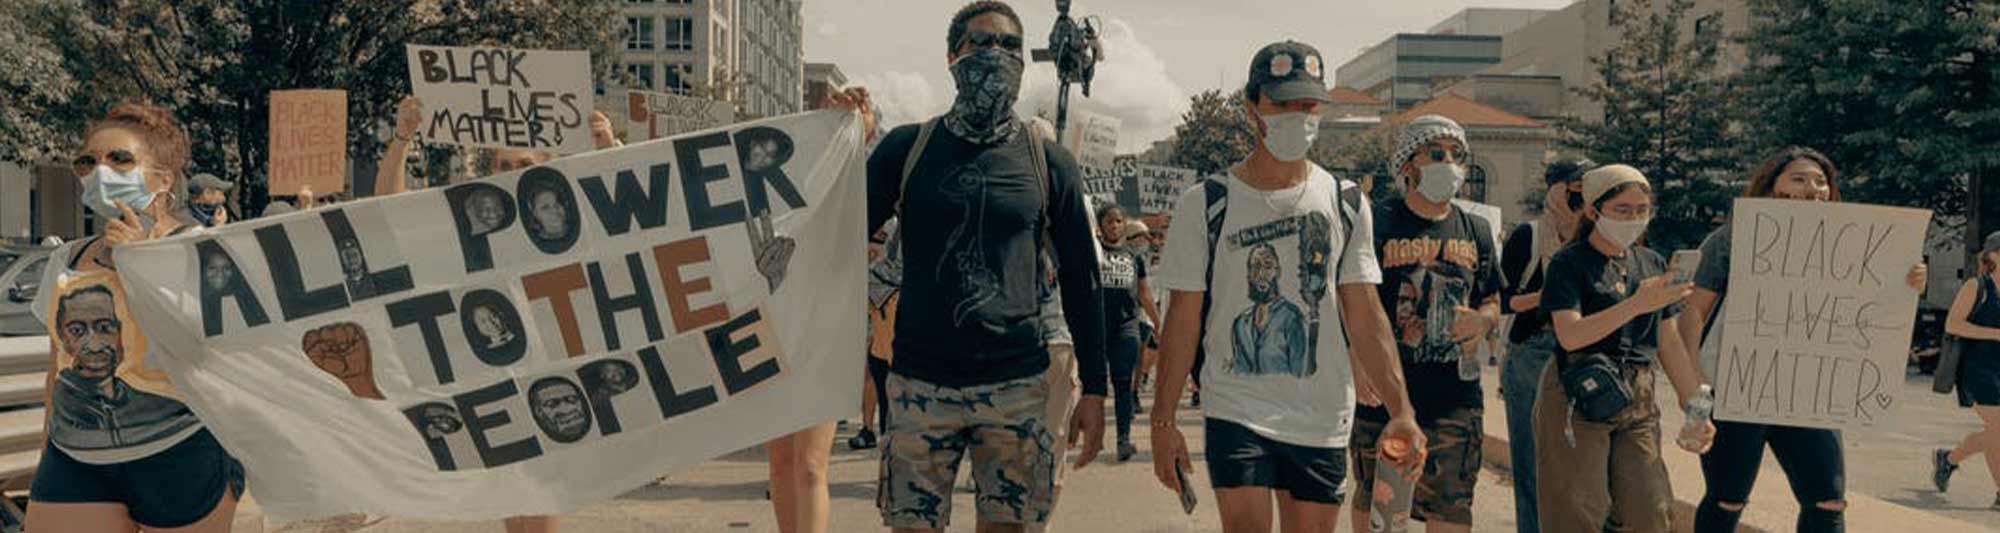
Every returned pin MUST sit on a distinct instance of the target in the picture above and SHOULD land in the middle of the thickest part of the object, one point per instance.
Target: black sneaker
(1941, 469)
(1126, 450)
(1996, 502)
(863, 440)
(1195, 401)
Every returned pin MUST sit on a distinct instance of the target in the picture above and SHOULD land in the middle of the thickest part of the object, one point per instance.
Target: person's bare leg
(867, 403)
(1358, 516)
(1296, 516)
(219, 520)
(1991, 415)
(1244, 509)
(78, 518)
(798, 478)
(532, 524)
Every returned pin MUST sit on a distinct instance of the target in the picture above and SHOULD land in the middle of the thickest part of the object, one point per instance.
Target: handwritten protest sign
(1160, 187)
(650, 115)
(527, 343)
(308, 141)
(1815, 327)
(504, 98)
(1093, 138)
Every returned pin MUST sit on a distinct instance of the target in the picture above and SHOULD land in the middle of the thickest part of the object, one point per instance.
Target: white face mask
(1288, 136)
(1440, 181)
(1622, 232)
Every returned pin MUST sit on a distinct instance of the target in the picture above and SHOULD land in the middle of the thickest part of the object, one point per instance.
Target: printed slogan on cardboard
(1816, 327)
(530, 342)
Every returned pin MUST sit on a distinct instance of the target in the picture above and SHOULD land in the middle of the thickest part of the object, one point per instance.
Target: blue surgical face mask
(104, 188)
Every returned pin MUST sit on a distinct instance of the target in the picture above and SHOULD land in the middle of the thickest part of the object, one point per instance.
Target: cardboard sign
(1815, 327)
(504, 98)
(1160, 187)
(651, 115)
(308, 141)
(1093, 138)
(531, 342)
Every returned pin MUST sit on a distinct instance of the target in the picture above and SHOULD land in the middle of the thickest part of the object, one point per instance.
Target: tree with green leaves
(1903, 96)
(1214, 133)
(1666, 112)
(215, 62)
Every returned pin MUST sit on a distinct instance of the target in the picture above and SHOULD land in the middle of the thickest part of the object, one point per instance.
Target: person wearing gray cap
(1975, 318)
(207, 199)
(1251, 258)
(1815, 467)
(1523, 264)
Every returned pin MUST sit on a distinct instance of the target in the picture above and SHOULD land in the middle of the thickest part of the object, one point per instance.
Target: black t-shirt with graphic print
(1123, 268)
(1430, 267)
(1583, 279)
(971, 224)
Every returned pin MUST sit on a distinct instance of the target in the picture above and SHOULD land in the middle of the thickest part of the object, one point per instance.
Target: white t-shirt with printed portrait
(1277, 357)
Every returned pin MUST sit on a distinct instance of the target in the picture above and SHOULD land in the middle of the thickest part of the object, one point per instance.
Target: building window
(680, 33)
(642, 72)
(1708, 26)
(1475, 185)
(638, 33)
(677, 82)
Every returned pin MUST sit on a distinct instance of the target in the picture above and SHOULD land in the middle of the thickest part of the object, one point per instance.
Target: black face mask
(1576, 201)
(988, 82)
(204, 212)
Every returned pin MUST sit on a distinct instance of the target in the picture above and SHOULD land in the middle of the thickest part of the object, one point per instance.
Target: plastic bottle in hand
(1390, 510)
(1700, 409)
(1468, 365)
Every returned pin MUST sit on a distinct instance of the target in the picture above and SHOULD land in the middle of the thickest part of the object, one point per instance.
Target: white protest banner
(504, 98)
(1160, 187)
(1490, 213)
(1816, 323)
(650, 115)
(527, 343)
(308, 141)
(1093, 138)
(1115, 184)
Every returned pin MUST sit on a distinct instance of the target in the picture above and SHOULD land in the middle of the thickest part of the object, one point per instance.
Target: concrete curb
(1772, 508)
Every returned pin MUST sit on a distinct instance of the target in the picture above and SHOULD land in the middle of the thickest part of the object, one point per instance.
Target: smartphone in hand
(1187, 491)
(1683, 265)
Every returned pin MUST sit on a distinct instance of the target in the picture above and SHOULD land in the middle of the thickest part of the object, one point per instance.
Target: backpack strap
(1216, 196)
(1534, 263)
(910, 162)
(78, 248)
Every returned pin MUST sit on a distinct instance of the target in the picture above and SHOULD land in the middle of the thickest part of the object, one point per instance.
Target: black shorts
(1239, 457)
(173, 488)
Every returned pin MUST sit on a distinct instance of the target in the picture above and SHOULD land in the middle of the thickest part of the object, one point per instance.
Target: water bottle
(1700, 409)
(1390, 510)
(1468, 366)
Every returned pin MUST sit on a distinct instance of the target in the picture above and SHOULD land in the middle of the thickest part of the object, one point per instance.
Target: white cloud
(1132, 84)
(827, 29)
(902, 97)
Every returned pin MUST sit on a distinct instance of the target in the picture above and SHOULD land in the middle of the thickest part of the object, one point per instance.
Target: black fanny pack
(1596, 386)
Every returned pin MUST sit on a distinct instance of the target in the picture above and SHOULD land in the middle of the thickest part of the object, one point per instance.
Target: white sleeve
(57, 262)
(1184, 263)
(1357, 262)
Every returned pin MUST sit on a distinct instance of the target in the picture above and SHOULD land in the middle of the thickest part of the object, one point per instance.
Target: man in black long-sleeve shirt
(976, 210)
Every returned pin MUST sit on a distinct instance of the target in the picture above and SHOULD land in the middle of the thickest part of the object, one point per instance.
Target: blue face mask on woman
(104, 188)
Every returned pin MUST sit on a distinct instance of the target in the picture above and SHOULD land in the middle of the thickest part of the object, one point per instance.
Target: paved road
(727, 494)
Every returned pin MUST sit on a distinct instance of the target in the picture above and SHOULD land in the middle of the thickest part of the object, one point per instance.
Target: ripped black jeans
(1812, 460)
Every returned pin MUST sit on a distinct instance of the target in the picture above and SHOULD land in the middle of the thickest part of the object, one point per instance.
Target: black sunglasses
(980, 39)
(84, 164)
(1438, 153)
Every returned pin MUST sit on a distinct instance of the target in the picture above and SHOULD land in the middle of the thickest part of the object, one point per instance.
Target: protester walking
(1128, 303)
(981, 199)
(1524, 267)
(1251, 260)
(1597, 425)
(122, 452)
(1975, 318)
(1441, 286)
(1811, 457)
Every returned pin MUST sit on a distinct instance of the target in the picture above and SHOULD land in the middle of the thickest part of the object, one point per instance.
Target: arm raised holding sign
(391, 173)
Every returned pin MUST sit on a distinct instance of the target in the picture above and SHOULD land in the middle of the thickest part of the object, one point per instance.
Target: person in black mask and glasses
(980, 198)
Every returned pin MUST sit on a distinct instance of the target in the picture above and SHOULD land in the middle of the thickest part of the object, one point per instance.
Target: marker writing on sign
(512, 112)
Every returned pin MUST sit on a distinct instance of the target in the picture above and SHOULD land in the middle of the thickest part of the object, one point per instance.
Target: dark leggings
(878, 372)
(1812, 460)
(1123, 351)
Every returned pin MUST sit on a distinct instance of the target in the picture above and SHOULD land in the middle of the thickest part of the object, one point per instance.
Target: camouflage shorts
(931, 428)
(1444, 493)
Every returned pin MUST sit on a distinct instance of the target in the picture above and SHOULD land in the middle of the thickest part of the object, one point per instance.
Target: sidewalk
(1772, 508)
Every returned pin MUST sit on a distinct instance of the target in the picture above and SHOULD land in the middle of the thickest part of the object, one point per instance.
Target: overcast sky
(1159, 52)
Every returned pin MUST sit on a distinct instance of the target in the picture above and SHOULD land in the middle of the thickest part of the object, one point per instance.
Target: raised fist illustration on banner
(774, 252)
(342, 350)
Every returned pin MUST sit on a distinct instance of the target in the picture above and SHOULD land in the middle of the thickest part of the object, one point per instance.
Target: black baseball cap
(1567, 170)
(1287, 71)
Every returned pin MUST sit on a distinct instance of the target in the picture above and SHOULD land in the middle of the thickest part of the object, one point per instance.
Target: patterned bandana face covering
(988, 82)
